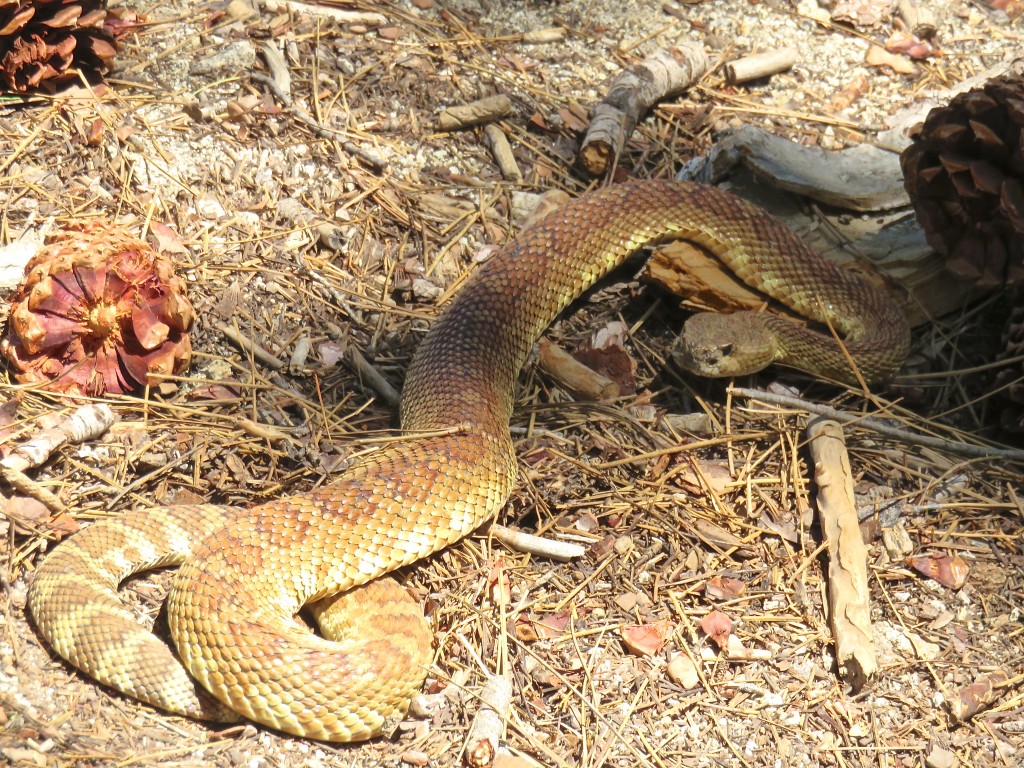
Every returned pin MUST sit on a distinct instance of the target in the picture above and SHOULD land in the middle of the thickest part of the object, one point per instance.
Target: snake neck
(464, 371)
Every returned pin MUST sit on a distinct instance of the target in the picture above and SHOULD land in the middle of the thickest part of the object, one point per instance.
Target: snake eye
(727, 349)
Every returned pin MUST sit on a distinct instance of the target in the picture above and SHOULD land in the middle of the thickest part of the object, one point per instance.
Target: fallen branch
(666, 73)
(582, 381)
(246, 344)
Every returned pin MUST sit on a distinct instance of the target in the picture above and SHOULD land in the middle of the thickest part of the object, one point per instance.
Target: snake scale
(244, 574)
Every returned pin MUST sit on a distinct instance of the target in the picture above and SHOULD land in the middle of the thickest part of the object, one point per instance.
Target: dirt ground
(290, 237)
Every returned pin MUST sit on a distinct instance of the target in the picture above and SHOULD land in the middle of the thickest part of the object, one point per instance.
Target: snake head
(725, 345)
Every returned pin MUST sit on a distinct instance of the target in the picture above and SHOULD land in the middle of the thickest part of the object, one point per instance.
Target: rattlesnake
(245, 573)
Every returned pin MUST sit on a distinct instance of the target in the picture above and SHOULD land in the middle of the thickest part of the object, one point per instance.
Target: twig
(536, 545)
(485, 110)
(497, 142)
(844, 417)
(338, 15)
(86, 423)
(277, 65)
(247, 345)
(373, 378)
(485, 734)
(760, 65)
(848, 597)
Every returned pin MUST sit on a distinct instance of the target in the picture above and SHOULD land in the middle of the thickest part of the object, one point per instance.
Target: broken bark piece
(666, 73)
(690, 272)
(475, 113)
(860, 178)
(920, 21)
(759, 65)
(497, 142)
(848, 597)
(584, 383)
(886, 247)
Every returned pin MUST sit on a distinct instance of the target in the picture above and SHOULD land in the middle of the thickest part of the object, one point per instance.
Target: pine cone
(41, 40)
(99, 312)
(964, 172)
(1010, 381)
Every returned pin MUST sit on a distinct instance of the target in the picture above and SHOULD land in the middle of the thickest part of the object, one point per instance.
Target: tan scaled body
(245, 574)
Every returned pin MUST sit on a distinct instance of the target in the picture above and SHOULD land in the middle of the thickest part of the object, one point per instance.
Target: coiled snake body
(245, 574)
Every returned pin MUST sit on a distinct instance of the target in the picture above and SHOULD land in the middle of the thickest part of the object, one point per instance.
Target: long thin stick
(845, 417)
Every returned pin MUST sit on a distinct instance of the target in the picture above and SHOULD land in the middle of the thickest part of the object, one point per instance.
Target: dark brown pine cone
(44, 43)
(1010, 381)
(964, 172)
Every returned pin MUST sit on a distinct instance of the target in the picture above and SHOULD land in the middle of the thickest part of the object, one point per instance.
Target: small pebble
(938, 757)
(682, 672)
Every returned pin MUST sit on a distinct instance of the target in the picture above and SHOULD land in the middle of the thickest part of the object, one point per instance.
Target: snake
(240, 644)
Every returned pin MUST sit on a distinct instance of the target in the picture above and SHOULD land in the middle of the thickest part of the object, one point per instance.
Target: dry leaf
(724, 588)
(517, 63)
(63, 524)
(25, 512)
(538, 121)
(706, 475)
(607, 355)
(601, 549)
(95, 135)
(390, 32)
(552, 626)
(499, 589)
(627, 601)
(8, 423)
(645, 639)
(949, 571)
(862, 13)
(911, 45)
(718, 627)
(573, 121)
(978, 695)
(859, 86)
(165, 239)
(331, 353)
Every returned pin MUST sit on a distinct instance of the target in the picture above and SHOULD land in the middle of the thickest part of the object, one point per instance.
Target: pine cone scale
(964, 171)
(48, 42)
